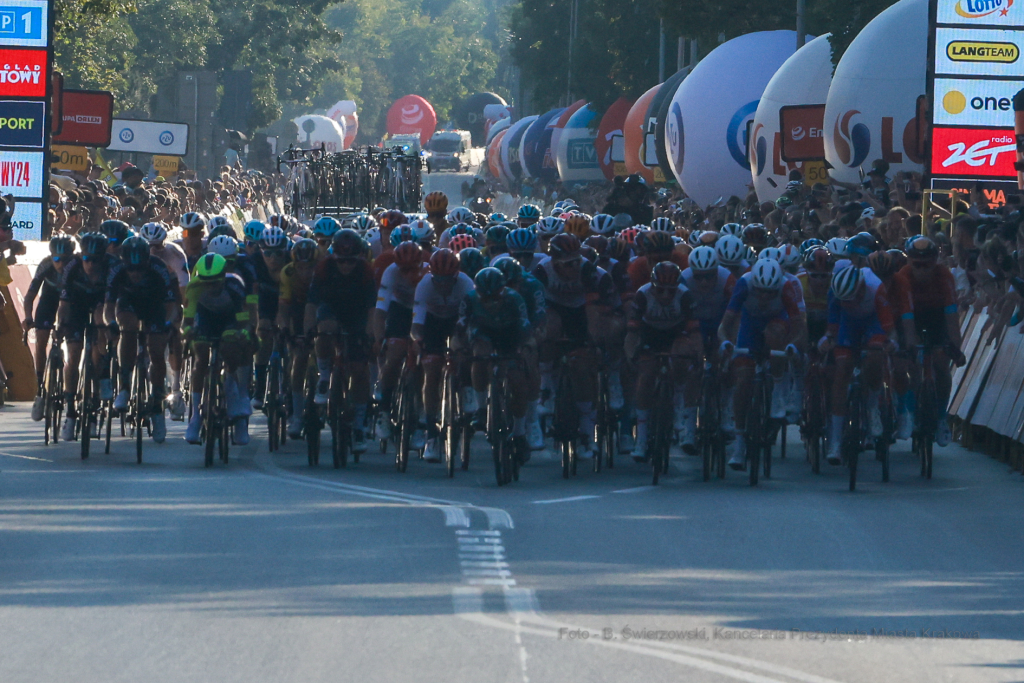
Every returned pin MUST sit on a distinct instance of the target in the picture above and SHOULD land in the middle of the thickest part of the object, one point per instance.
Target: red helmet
(818, 260)
(629, 235)
(460, 242)
(665, 274)
(408, 255)
(444, 263)
(392, 219)
(563, 245)
(598, 243)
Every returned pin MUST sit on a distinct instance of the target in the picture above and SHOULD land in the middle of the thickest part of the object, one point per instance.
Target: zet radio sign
(979, 12)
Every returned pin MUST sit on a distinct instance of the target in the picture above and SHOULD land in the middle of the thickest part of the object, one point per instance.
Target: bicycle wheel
(273, 409)
(928, 446)
(108, 418)
(406, 421)
(496, 432)
(603, 425)
(140, 406)
(449, 426)
(209, 413)
(754, 434)
(660, 426)
(340, 432)
(565, 459)
(87, 410)
(565, 421)
(854, 435)
(225, 437)
(883, 444)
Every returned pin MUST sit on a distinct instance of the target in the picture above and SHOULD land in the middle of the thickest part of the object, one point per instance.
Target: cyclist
(859, 317)
(436, 305)
(436, 205)
(341, 296)
(732, 255)
(272, 257)
(528, 215)
(471, 260)
(928, 298)
(522, 246)
(763, 314)
(191, 242)
(177, 263)
(142, 295)
(295, 281)
(658, 247)
(83, 286)
(215, 309)
(496, 243)
(496, 321)
(46, 284)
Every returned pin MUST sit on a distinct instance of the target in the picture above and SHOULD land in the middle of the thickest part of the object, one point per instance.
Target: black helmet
(61, 246)
(135, 253)
(347, 244)
(489, 281)
(116, 231)
(95, 243)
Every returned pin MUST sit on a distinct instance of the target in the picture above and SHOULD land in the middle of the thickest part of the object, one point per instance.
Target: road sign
(149, 137)
(165, 165)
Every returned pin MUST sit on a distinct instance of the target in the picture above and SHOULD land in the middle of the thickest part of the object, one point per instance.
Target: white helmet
(662, 224)
(421, 230)
(845, 283)
(836, 246)
(694, 239)
(550, 225)
(770, 253)
(461, 214)
(372, 233)
(154, 233)
(223, 245)
(703, 259)
(730, 249)
(602, 224)
(789, 256)
(767, 274)
(191, 221)
(731, 229)
(273, 238)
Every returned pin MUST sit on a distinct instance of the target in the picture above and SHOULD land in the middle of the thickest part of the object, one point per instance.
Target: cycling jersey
(145, 298)
(46, 280)
(267, 287)
(502, 319)
(927, 300)
(175, 260)
(429, 300)
(398, 287)
(865, 320)
(816, 306)
(593, 286)
(211, 318)
(83, 293)
(532, 292)
(757, 312)
(709, 306)
(294, 287)
(346, 298)
(639, 269)
(677, 314)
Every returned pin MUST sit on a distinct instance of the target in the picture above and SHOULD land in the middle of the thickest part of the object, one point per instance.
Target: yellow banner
(107, 175)
(165, 165)
(69, 158)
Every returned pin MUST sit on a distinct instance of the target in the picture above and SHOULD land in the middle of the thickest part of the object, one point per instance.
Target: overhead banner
(974, 70)
(87, 118)
(149, 137)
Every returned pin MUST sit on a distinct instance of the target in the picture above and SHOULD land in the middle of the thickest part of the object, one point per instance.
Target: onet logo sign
(982, 51)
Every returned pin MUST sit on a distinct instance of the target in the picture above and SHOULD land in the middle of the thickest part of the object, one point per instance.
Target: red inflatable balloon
(412, 114)
(610, 144)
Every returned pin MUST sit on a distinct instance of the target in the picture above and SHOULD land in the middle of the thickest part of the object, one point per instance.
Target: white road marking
(26, 457)
(498, 519)
(455, 516)
(563, 500)
(636, 489)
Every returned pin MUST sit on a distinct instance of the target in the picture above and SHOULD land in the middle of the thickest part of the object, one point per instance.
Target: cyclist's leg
(358, 371)
(686, 369)
(531, 377)
(200, 367)
(299, 359)
(327, 327)
(175, 353)
(127, 351)
(547, 357)
(776, 337)
(235, 350)
(396, 347)
(613, 327)
(265, 337)
(750, 336)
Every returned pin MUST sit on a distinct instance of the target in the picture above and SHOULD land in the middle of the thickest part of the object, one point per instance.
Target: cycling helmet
(578, 225)
(662, 224)
(602, 224)
(461, 214)
(195, 221)
(703, 259)
(153, 232)
(402, 233)
(391, 219)
(221, 230)
(707, 238)
(116, 231)
(521, 240)
(923, 248)
(408, 255)
(836, 246)
(693, 239)
(444, 263)
(422, 231)
(273, 238)
(459, 229)
(556, 210)
(528, 213)
(325, 226)
(731, 229)
(818, 260)
(789, 256)
(658, 241)
(755, 234)
(435, 202)
(909, 241)
(216, 222)
(93, 243)
(599, 243)
(497, 235)
(550, 225)
(135, 253)
(347, 244)
(253, 231)
(860, 244)
(489, 281)
(881, 264)
(223, 245)
(563, 246)
(511, 269)
(619, 249)
(62, 246)
(497, 218)
(363, 222)
(629, 235)
(899, 259)
(770, 253)
(868, 213)
(471, 260)
(845, 283)
(750, 255)
(665, 274)
(210, 267)
(730, 250)
(460, 242)
(304, 251)
(767, 274)
(806, 245)
(783, 202)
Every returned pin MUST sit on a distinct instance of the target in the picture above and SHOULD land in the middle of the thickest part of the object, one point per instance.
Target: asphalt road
(266, 570)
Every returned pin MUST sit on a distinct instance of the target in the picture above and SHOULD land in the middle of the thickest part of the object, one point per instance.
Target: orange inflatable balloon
(635, 137)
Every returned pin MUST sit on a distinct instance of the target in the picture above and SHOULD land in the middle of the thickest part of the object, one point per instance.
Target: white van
(449, 150)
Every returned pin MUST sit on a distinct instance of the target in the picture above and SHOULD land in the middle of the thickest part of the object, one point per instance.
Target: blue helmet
(325, 226)
(521, 240)
(402, 233)
(253, 231)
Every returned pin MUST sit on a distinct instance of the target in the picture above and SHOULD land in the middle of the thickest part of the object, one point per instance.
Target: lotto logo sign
(23, 73)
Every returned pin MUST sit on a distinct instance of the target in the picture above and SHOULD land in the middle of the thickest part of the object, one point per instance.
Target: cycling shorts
(151, 314)
(660, 341)
(46, 310)
(436, 333)
(858, 333)
(398, 322)
(930, 324)
(751, 333)
(501, 340)
(574, 323)
(79, 314)
(267, 305)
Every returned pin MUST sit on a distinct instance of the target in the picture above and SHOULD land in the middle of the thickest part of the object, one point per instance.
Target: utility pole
(574, 9)
(800, 6)
(680, 53)
(661, 51)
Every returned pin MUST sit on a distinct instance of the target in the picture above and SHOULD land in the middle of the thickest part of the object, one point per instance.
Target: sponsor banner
(149, 137)
(165, 165)
(980, 12)
(974, 103)
(24, 23)
(978, 52)
(87, 118)
(69, 158)
(582, 154)
(23, 73)
(994, 191)
(27, 220)
(22, 124)
(803, 132)
(973, 153)
(21, 174)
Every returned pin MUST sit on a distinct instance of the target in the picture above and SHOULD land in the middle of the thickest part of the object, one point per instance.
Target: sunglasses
(570, 263)
(90, 259)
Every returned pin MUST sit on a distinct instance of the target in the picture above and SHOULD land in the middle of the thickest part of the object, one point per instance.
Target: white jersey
(429, 299)
(174, 258)
(375, 248)
(395, 287)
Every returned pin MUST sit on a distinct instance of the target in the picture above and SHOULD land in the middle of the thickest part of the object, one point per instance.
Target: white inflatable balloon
(499, 125)
(510, 165)
(803, 79)
(872, 104)
(707, 121)
(576, 156)
(315, 130)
